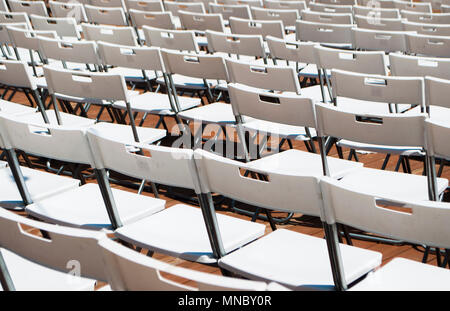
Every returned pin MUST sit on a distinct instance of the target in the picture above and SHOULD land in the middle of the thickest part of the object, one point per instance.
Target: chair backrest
(417, 66)
(437, 46)
(355, 61)
(142, 57)
(378, 40)
(437, 132)
(205, 3)
(15, 18)
(4, 35)
(257, 27)
(278, 78)
(17, 74)
(227, 177)
(108, 3)
(162, 165)
(427, 18)
(329, 8)
(112, 34)
(182, 40)
(376, 88)
(145, 5)
(89, 85)
(29, 7)
(387, 24)
(84, 52)
(337, 2)
(250, 3)
(376, 12)
(106, 16)
(327, 18)
(302, 52)
(287, 108)
(195, 65)
(250, 45)
(174, 7)
(202, 22)
(163, 20)
(427, 29)
(383, 4)
(60, 250)
(64, 26)
(323, 33)
(437, 92)
(286, 5)
(128, 270)
(227, 11)
(414, 6)
(287, 16)
(68, 9)
(28, 39)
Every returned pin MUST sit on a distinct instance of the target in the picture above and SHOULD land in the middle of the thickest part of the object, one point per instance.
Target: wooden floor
(298, 223)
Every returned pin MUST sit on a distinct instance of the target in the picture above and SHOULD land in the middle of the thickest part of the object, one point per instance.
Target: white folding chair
(181, 231)
(329, 8)
(427, 29)
(378, 40)
(231, 10)
(175, 6)
(15, 18)
(201, 22)
(5, 40)
(287, 16)
(424, 7)
(111, 34)
(145, 5)
(393, 217)
(182, 40)
(47, 263)
(329, 34)
(375, 12)
(68, 9)
(337, 2)
(427, 18)
(143, 64)
(106, 16)
(29, 7)
(264, 28)
(383, 4)
(292, 259)
(65, 27)
(436, 103)
(375, 23)
(418, 66)
(286, 5)
(433, 46)
(327, 18)
(108, 3)
(250, 3)
(162, 20)
(128, 270)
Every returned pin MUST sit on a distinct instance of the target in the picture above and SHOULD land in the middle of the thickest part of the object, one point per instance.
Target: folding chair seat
(106, 16)
(289, 258)
(376, 12)
(149, 6)
(11, 108)
(285, 5)
(65, 27)
(424, 7)
(68, 9)
(427, 218)
(49, 263)
(378, 23)
(427, 29)
(29, 7)
(180, 230)
(111, 34)
(264, 28)
(137, 59)
(231, 10)
(79, 206)
(131, 271)
(434, 46)
(378, 40)
(382, 130)
(329, 8)
(328, 34)
(327, 18)
(427, 18)
(243, 47)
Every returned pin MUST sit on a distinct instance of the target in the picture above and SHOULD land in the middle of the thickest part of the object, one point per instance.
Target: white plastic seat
(68, 9)
(327, 18)
(286, 5)
(29, 7)
(376, 40)
(202, 22)
(339, 35)
(376, 23)
(429, 18)
(433, 46)
(264, 28)
(111, 34)
(149, 6)
(376, 12)
(424, 7)
(427, 29)
(402, 274)
(11, 108)
(15, 18)
(106, 15)
(65, 27)
(287, 16)
(329, 7)
(231, 10)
